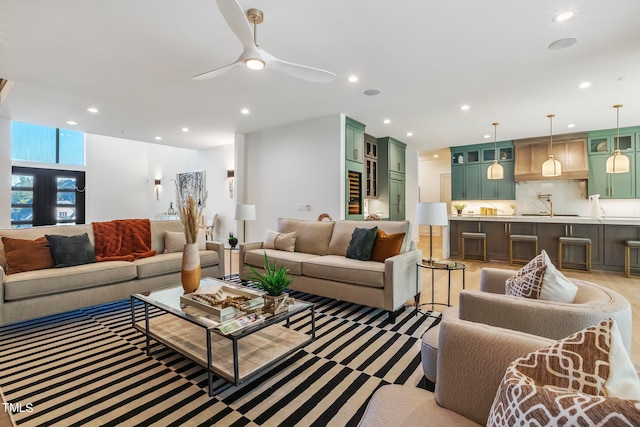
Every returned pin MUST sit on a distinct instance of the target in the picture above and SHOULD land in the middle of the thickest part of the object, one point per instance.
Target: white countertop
(544, 218)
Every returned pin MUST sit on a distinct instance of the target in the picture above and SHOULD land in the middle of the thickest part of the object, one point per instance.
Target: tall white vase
(191, 273)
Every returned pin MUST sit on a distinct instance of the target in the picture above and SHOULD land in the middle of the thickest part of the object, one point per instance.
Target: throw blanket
(122, 239)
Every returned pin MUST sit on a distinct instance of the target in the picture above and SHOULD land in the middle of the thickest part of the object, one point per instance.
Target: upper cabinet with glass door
(605, 141)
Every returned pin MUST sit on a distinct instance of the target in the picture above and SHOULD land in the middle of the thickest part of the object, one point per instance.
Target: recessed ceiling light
(72, 123)
(435, 156)
(622, 78)
(245, 111)
(409, 133)
(571, 125)
(465, 107)
(353, 79)
(185, 129)
(386, 121)
(563, 43)
(158, 138)
(372, 92)
(487, 136)
(563, 16)
(92, 110)
(584, 85)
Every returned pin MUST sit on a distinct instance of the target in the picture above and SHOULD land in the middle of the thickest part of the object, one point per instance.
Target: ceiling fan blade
(218, 71)
(237, 21)
(303, 72)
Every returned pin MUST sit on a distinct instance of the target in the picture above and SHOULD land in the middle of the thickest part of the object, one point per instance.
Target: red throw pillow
(386, 245)
(27, 255)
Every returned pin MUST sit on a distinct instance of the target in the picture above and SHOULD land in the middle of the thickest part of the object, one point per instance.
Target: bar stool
(466, 235)
(628, 245)
(522, 238)
(575, 241)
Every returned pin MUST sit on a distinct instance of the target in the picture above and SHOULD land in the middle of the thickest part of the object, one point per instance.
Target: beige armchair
(549, 319)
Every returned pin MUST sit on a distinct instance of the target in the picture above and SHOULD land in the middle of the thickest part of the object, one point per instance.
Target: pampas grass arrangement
(190, 214)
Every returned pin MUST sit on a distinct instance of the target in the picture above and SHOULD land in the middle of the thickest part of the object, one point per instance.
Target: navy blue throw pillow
(361, 244)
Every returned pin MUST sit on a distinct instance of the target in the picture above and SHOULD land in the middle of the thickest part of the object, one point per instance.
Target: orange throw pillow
(386, 245)
(27, 255)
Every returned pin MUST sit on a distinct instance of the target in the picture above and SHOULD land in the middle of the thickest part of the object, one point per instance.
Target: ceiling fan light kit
(254, 57)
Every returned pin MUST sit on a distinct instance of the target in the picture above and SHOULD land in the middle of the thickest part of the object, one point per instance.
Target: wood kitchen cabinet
(570, 150)
(455, 241)
(573, 256)
(614, 237)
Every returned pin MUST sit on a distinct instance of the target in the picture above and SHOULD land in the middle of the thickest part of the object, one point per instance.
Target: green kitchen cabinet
(469, 172)
(499, 189)
(354, 141)
(611, 185)
(397, 202)
(391, 176)
(466, 182)
(605, 141)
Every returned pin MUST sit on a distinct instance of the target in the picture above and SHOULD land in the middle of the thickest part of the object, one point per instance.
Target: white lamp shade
(618, 163)
(551, 167)
(432, 214)
(245, 212)
(495, 171)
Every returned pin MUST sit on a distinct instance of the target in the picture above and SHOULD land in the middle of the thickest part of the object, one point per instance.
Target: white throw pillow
(280, 241)
(174, 241)
(555, 285)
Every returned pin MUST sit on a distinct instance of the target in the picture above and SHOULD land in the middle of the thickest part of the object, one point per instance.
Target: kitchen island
(607, 235)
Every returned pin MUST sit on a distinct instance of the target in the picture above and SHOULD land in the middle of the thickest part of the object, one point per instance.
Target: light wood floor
(628, 287)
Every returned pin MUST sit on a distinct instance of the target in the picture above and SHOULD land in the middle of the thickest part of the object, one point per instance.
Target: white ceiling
(134, 60)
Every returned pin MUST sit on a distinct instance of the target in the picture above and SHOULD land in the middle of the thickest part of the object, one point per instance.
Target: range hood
(569, 149)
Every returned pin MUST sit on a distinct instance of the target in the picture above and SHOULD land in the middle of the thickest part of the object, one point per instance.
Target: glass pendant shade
(551, 167)
(618, 162)
(495, 169)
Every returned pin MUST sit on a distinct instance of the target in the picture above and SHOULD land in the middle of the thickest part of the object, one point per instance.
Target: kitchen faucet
(547, 198)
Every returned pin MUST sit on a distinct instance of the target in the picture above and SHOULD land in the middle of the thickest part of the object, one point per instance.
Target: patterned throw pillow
(585, 379)
(527, 282)
(553, 286)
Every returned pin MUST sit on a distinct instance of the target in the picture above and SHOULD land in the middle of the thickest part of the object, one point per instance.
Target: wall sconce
(230, 176)
(157, 183)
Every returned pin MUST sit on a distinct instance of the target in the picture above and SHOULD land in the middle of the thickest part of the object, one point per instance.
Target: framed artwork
(192, 184)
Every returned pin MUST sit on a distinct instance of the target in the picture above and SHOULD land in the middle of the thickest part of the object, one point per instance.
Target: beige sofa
(38, 293)
(550, 319)
(319, 266)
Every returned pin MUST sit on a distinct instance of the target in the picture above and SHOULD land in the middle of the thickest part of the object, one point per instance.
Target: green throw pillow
(361, 244)
(71, 250)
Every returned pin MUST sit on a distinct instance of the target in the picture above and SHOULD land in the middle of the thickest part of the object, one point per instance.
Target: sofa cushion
(71, 250)
(162, 264)
(361, 243)
(280, 241)
(174, 241)
(292, 261)
(55, 280)
(341, 269)
(343, 230)
(587, 378)
(312, 236)
(27, 255)
(386, 245)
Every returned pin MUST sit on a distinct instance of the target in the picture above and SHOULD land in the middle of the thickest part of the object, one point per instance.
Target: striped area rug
(89, 367)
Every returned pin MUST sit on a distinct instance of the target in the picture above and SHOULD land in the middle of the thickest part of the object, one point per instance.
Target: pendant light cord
(551, 116)
(617, 107)
(495, 141)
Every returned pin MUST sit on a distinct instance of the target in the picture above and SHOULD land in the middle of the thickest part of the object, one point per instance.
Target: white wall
(5, 173)
(292, 165)
(216, 161)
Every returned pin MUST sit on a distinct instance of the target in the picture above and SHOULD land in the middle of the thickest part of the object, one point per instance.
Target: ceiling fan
(253, 56)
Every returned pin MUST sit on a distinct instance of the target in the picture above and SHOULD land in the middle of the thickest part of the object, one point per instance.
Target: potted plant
(274, 281)
(458, 207)
(233, 240)
(190, 213)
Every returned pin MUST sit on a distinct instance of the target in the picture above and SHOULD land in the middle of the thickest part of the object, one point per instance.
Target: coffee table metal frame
(209, 329)
(433, 268)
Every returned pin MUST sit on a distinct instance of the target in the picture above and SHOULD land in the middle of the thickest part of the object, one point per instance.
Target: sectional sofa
(31, 294)
(318, 264)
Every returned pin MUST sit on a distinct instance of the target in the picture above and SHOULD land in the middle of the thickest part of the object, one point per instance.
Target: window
(46, 197)
(48, 145)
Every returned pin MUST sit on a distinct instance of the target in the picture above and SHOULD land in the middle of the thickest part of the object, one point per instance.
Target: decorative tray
(224, 302)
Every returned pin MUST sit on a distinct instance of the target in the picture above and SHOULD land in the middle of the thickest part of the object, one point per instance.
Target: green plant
(231, 235)
(459, 206)
(274, 281)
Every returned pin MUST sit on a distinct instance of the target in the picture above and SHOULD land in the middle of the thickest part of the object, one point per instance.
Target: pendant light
(495, 170)
(551, 166)
(618, 162)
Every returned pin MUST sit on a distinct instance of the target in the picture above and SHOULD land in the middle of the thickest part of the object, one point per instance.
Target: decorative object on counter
(618, 162)
(551, 166)
(171, 210)
(513, 209)
(594, 200)
(233, 240)
(431, 214)
(274, 281)
(190, 200)
(459, 207)
(495, 169)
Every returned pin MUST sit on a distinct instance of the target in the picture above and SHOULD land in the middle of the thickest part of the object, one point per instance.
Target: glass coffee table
(236, 356)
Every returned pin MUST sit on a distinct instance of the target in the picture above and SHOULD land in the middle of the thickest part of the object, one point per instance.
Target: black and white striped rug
(89, 367)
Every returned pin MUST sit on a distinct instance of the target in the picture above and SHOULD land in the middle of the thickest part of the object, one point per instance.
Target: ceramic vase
(275, 305)
(190, 273)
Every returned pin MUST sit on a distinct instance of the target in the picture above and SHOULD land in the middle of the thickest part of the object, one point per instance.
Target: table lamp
(431, 214)
(245, 213)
